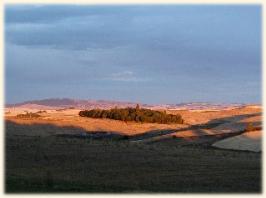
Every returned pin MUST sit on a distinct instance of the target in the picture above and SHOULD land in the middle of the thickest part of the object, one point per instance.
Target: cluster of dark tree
(28, 115)
(133, 114)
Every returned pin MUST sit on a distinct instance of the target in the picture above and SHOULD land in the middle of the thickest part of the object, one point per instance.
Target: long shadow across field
(199, 128)
(31, 130)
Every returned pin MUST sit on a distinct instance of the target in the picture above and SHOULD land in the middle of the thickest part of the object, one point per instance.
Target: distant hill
(80, 104)
(48, 102)
(107, 104)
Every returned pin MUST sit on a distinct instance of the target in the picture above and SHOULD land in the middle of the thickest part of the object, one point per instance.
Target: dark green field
(66, 164)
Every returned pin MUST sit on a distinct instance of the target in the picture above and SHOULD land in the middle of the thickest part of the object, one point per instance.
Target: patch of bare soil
(250, 141)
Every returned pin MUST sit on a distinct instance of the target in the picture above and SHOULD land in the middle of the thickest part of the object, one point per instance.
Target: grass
(36, 164)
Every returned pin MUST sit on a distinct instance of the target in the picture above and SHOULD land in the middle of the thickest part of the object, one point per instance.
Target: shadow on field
(198, 130)
(16, 129)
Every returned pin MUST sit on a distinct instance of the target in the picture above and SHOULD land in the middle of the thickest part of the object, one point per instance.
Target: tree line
(136, 114)
(28, 115)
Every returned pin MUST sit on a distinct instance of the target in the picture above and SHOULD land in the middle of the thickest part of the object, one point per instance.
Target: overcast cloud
(150, 54)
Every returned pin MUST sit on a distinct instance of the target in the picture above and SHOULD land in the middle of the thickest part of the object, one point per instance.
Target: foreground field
(67, 164)
(62, 152)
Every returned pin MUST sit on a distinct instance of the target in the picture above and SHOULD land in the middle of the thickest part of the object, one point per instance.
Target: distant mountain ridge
(76, 103)
(107, 104)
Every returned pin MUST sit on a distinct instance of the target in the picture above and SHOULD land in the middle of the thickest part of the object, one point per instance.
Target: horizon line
(134, 102)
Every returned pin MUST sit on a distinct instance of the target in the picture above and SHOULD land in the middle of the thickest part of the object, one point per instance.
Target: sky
(140, 53)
